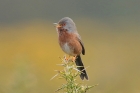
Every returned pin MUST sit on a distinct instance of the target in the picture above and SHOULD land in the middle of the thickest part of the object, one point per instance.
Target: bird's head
(67, 24)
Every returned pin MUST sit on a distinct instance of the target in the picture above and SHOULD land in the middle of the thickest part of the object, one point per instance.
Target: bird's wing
(83, 49)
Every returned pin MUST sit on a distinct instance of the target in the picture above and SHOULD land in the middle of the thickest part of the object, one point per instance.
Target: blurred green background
(29, 49)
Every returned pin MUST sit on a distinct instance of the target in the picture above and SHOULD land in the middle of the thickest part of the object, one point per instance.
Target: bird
(71, 43)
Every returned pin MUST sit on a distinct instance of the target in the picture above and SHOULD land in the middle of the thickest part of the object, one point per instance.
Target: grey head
(68, 24)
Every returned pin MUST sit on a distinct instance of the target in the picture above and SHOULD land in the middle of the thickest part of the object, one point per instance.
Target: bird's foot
(69, 58)
(73, 59)
(66, 58)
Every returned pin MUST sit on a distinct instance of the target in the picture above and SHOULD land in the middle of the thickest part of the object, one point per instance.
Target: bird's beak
(57, 25)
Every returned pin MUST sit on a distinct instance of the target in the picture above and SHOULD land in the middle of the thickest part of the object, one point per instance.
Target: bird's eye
(63, 24)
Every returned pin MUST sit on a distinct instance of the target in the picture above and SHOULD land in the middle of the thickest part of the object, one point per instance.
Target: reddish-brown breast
(69, 42)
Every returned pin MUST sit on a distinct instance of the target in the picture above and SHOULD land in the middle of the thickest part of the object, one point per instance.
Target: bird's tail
(80, 67)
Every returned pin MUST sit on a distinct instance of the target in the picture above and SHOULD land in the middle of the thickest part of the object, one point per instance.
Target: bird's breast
(68, 49)
(69, 43)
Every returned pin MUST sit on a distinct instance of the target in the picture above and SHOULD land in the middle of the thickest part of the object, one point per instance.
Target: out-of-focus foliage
(29, 50)
(29, 53)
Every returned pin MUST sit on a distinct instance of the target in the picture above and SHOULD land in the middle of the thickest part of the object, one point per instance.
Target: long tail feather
(79, 63)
